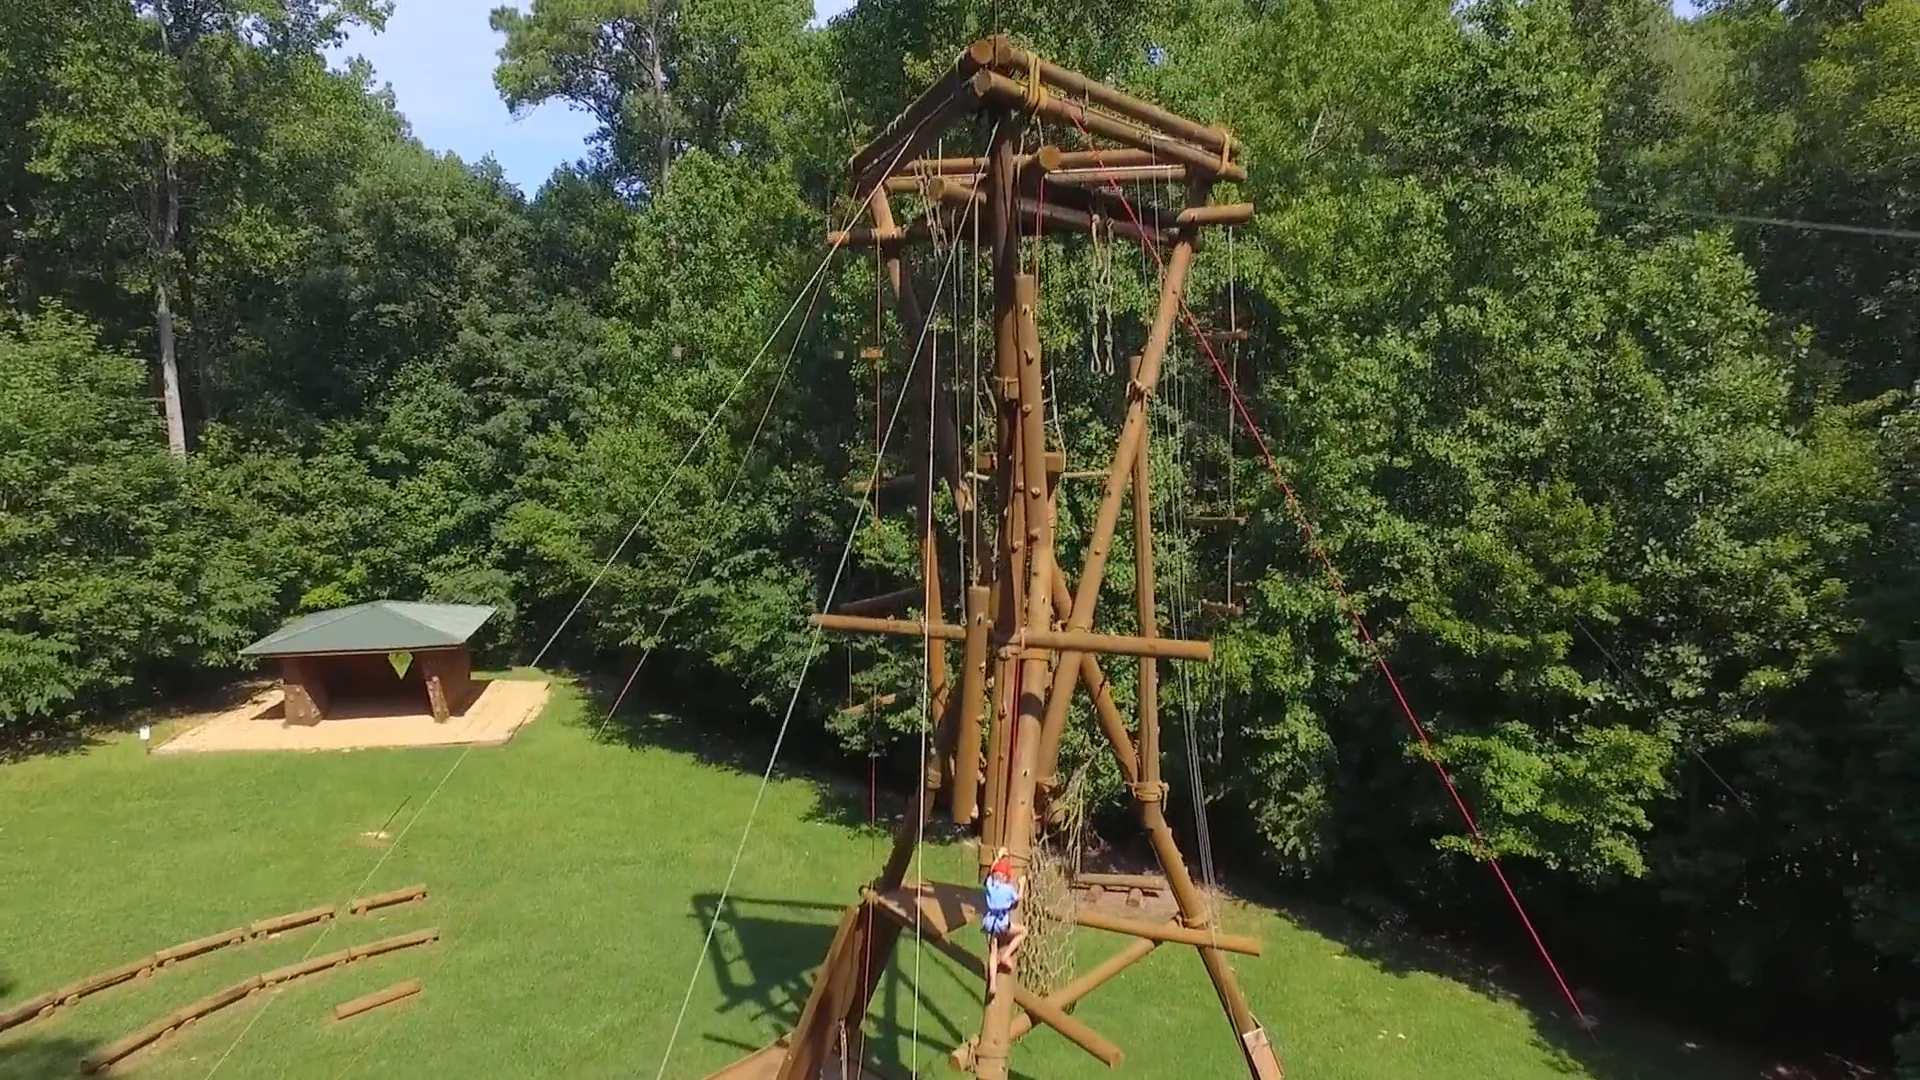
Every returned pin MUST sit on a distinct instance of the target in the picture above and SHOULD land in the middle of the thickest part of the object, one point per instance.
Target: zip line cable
(793, 703)
(667, 485)
(810, 292)
(1802, 224)
(693, 564)
(839, 239)
(1311, 541)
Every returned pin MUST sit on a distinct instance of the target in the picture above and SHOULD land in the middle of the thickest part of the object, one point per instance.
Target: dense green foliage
(1626, 494)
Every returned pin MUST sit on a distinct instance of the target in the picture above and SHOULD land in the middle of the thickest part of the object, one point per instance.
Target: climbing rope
(786, 721)
(1101, 288)
(1312, 543)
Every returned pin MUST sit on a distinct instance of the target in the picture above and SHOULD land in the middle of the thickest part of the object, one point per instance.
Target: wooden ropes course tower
(1027, 629)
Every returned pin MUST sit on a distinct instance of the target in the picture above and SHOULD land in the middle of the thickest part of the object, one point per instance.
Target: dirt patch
(489, 719)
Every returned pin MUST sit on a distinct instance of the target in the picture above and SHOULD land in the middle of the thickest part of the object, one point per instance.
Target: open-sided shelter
(391, 652)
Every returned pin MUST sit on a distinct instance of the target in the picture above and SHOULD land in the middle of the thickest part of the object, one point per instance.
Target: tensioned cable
(839, 239)
(693, 564)
(810, 289)
(793, 703)
(1362, 631)
(666, 485)
(1773, 222)
(746, 457)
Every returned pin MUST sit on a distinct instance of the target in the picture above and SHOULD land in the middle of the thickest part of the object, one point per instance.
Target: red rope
(1314, 547)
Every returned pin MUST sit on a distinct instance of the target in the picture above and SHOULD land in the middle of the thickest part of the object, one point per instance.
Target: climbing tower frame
(1028, 632)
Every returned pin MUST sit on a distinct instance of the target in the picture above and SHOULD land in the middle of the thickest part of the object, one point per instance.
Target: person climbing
(1004, 935)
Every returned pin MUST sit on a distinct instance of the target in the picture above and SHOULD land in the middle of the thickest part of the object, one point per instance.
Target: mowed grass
(572, 881)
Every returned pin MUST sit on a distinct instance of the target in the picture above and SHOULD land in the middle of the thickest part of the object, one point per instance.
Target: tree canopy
(1621, 471)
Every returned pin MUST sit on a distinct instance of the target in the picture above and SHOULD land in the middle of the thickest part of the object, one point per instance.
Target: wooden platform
(936, 909)
(765, 1065)
(500, 708)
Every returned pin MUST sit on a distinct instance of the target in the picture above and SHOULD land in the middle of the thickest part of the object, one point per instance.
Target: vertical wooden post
(1014, 824)
(927, 445)
(964, 800)
(1009, 573)
(1148, 614)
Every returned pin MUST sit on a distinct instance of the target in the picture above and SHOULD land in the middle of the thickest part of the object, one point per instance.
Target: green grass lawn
(571, 880)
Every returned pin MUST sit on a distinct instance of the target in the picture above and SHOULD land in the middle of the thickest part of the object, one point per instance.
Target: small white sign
(145, 732)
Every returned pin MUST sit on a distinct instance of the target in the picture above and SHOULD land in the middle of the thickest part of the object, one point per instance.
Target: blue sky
(439, 56)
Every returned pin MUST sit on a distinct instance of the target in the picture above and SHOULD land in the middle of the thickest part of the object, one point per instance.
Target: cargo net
(1047, 958)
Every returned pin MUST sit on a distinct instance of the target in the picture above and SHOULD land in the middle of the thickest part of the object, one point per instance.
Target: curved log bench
(280, 924)
(363, 905)
(183, 1017)
(365, 1002)
(44, 1004)
(173, 1021)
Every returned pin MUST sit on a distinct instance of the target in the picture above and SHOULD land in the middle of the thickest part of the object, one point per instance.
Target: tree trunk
(164, 231)
(659, 74)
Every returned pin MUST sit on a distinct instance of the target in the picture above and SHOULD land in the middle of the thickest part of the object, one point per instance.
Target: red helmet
(1002, 867)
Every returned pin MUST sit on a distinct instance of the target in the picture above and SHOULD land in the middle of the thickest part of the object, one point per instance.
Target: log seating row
(44, 1004)
(220, 999)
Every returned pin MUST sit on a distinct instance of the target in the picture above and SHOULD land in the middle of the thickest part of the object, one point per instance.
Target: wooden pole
(973, 688)
(918, 127)
(891, 603)
(1004, 573)
(1067, 996)
(1117, 174)
(912, 319)
(1076, 640)
(1000, 53)
(999, 90)
(1015, 824)
(1148, 614)
(1184, 935)
(1104, 709)
(1051, 158)
(1048, 1013)
(1051, 216)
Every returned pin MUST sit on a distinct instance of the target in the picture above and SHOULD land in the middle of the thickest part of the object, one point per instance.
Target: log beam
(996, 89)
(999, 52)
(1173, 932)
(1077, 641)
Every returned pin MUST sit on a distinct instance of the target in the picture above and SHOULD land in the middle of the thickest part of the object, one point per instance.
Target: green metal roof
(381, 626)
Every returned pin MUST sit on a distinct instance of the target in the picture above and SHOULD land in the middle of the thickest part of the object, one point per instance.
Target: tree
(141, 119)
(663, 76)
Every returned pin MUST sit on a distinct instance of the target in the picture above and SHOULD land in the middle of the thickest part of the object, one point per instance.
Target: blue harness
(1001, 898)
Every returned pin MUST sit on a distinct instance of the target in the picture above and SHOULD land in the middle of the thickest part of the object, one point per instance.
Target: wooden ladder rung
(1235, 521)
(1225, 335)
(1215, 608)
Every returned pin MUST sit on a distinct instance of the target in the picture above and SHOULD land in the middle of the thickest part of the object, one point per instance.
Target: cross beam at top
(995, 72)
